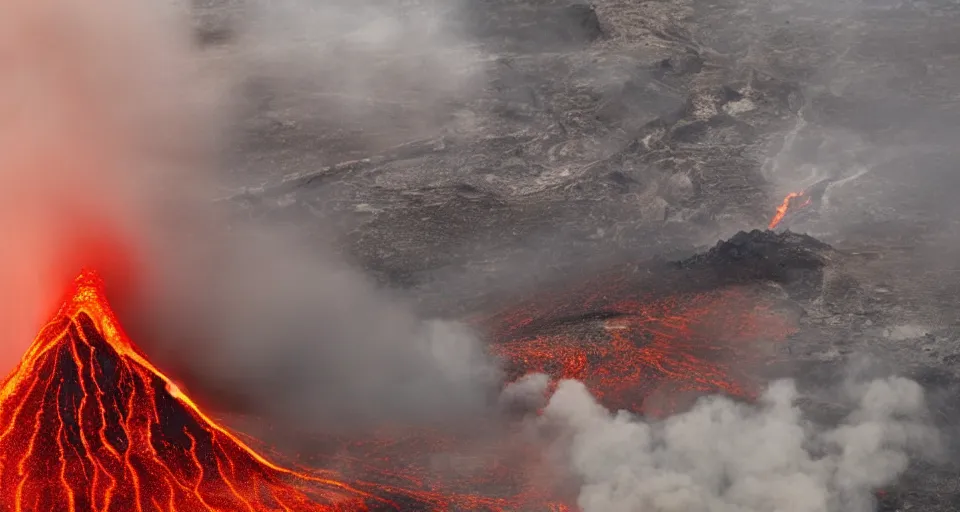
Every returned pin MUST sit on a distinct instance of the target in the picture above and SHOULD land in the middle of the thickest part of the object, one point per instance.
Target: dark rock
(684, 64)
(581, 23)
(621, 179)
(731, 94)
(786, 258)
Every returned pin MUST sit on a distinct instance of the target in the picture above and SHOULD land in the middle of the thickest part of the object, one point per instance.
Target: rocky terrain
(564, 140)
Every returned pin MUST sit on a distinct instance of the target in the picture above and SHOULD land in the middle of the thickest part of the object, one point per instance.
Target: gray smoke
(272, 314)
(302, 336)
(109, 142)
(725, 456)
(352, 77)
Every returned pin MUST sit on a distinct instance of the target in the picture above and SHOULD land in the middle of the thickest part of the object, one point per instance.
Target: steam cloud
(108, 147)
(725, 456)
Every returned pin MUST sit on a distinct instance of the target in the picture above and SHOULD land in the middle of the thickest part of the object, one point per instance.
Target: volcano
(89, 424)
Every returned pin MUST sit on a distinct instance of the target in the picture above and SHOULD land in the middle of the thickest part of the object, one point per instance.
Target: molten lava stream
(786, 206)
(88, 424)
(653, 353)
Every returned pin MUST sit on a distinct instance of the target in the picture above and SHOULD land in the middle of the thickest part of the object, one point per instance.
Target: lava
(645, 355)
(89, 424)
(786, 205)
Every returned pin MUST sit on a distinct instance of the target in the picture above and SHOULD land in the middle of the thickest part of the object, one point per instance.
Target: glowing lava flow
(88, 424)
(785, 207)
(649, 354)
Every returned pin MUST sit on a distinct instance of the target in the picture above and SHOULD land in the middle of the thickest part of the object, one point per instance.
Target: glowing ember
(786, 205)
(645, 355)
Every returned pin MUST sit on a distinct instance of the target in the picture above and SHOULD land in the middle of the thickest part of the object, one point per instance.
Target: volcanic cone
(89, 424)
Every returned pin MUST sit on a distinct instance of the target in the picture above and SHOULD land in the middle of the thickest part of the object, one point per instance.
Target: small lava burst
(790, 201)
(649, 355)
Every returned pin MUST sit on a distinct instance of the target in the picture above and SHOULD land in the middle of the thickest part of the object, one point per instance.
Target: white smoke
(725, 456)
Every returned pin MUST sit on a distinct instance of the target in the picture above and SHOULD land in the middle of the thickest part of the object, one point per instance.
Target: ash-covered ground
(515, 148)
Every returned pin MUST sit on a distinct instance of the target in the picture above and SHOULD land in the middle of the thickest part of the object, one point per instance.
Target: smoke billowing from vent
(727, 456)
(108, 141)
(307, 338)
(101, 135)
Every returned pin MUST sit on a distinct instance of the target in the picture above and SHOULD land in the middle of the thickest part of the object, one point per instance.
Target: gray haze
(873, 121)
(297, 334)
(725, 456)
(271, 313)
(366, 75)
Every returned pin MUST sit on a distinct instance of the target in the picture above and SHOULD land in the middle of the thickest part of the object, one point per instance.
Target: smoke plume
(727, 456)
(100, 136)
(108, 146)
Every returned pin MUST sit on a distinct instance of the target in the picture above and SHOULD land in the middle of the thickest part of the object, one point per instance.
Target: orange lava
(785, 207)
(649, 355)
(89, 424)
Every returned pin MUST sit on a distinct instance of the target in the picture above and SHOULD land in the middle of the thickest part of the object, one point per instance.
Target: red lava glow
(89, 424)
(647, 355)
(785, 206)
(643, 354)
